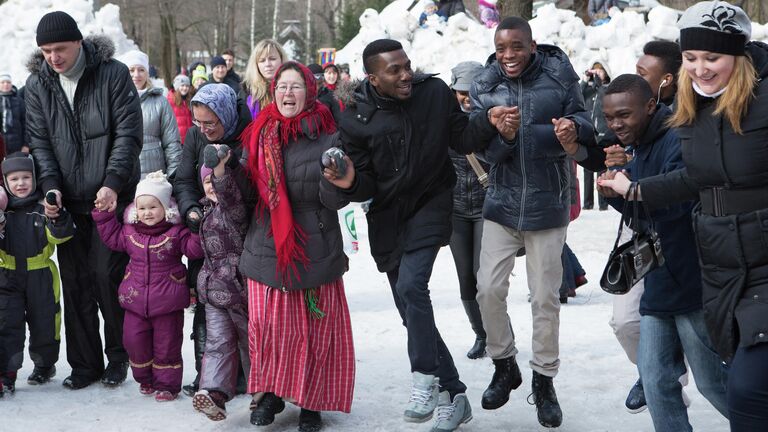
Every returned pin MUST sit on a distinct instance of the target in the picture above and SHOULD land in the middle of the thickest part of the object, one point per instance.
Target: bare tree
(520, 8)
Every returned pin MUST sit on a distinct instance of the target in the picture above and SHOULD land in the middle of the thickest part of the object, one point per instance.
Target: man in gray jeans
(528, 202)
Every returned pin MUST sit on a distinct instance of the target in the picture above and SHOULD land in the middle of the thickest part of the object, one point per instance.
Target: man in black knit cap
(85, 132)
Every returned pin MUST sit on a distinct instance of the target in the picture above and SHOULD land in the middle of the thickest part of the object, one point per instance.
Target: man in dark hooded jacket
(85, 128)
(527, 204)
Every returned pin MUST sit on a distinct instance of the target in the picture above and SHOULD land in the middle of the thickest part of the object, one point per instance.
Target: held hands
(106, 199)
(331, 173)
(565, 131)
(613, 184)
(615, 156)
(506, 120)
(52, 209)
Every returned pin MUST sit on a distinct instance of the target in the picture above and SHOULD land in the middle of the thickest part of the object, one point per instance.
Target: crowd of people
(229, 174)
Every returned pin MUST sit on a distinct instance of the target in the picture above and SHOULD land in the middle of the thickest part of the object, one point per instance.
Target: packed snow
(440, 46)
(593, 382)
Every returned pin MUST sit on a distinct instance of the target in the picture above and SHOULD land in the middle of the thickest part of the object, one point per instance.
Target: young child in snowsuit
(154, 292)
(221, 289)
(29, 280)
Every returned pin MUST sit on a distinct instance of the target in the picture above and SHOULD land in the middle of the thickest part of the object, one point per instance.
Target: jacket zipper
(521, 145)
(146, 279)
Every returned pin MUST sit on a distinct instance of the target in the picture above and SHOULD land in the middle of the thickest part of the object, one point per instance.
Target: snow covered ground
(593, 381)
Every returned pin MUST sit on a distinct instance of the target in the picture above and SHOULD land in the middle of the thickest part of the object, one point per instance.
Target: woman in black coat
(722, 119)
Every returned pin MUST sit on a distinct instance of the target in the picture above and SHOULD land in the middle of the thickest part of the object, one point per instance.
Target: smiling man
(528, 203)
(85, 131)
(397, 131)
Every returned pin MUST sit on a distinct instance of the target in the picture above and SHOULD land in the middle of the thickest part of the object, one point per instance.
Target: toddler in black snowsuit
(29, 280)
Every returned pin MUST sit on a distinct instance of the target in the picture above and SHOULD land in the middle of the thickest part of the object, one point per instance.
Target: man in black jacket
(397, 131)
(85, 127)
(527, 204)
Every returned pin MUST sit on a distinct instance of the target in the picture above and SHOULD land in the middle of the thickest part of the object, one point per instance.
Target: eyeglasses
(294, 88)
(206, 125)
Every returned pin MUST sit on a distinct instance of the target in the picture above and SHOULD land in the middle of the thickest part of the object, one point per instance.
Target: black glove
(337, 155)
(194, 224)
(212, 156)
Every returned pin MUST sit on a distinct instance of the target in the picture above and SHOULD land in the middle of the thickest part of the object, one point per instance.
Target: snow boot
(77, 382)
(115, 374)
(635, 402)
(41, 375)
(310, 421)
(198, 337)
(423, 400)
(9, 382)
(212, 404)
(450, 415)
(506, 378)
(476, 321)
(165, 396)
(265, 410)
(146, 389)
(544, 397)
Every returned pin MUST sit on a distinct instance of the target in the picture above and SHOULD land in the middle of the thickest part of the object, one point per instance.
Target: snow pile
(18, 22)
(441, 45)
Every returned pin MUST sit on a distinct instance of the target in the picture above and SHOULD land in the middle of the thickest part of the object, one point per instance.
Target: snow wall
(440, 46)
(18, 22)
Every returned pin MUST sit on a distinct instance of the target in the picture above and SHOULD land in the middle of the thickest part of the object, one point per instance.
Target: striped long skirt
(303, 359)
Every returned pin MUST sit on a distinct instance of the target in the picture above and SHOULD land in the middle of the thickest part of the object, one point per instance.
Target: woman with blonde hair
(722, 121)
(266, 58)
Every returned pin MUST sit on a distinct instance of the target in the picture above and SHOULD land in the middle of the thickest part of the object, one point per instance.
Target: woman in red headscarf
(301, 338)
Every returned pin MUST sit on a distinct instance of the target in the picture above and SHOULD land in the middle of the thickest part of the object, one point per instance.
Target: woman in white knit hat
(721, 115)
(161, 149)
(179, 97)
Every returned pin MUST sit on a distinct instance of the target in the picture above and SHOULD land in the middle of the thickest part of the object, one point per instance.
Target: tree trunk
(519, 8)
(275, 18)
(308, 37)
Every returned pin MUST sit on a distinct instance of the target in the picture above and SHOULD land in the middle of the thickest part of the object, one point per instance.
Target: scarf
(222, 100)
(265, 139)
(701, 92)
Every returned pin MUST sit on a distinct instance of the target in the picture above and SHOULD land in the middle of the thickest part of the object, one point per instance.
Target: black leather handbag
(631, 261)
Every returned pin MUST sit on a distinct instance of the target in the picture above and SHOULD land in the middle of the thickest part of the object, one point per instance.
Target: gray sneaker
(423, 399)
(450, 415)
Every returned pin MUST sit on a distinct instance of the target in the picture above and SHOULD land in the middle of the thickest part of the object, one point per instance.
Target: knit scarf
(265, 139)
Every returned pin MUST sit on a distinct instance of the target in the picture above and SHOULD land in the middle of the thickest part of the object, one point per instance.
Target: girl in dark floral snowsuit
(220, 289)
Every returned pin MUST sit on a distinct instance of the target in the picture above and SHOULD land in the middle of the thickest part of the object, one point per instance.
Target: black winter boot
(544, 397)
(505, 379)
(115, 374)
(198, 338)
(9, 382)
(263, 413)
(476, 321)
(41, 375)
(310, 421)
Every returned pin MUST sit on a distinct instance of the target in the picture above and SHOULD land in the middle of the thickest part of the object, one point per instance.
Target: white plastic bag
(348, 231)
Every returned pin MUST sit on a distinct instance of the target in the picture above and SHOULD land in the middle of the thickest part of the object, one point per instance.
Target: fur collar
(98, 49)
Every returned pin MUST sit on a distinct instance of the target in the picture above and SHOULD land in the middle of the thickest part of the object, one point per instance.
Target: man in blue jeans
(672, 325)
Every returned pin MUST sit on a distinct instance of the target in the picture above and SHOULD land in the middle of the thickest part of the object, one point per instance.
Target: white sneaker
(423, 401)
(450, 415)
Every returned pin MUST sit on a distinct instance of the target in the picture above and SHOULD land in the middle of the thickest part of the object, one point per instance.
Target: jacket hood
(657, 127)
(759, 53)
(154, 91)
(603, 63)
(345, 91)
(98, 49)
(548, 58)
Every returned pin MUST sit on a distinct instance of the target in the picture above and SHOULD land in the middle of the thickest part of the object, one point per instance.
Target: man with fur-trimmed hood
(85, 132)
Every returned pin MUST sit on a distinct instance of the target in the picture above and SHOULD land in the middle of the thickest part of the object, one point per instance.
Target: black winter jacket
(468, 194)
(529, 177)
(95, 144)
(400, 152)
(187, 185)
(314, 202)
(12, 120)
(733, 249)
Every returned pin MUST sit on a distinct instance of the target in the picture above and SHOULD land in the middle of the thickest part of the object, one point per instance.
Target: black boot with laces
(263, 413)
(505, 379)
(544, 397)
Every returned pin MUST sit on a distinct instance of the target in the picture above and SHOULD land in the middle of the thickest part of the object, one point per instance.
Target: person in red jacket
(179, 97)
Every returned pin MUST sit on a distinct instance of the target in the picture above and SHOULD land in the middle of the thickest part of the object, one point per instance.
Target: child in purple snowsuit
(154, 292)
(221, 289)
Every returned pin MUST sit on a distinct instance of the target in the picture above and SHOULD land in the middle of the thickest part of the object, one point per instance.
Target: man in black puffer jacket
(397, 131)
(85, 131)
(528, 202)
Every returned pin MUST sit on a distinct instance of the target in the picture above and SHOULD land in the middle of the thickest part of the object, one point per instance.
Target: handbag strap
(482, 176)
(624, 214)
